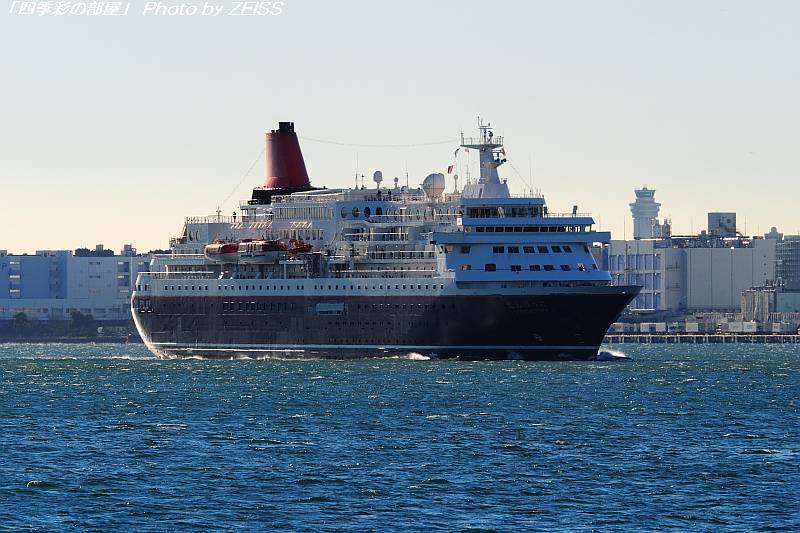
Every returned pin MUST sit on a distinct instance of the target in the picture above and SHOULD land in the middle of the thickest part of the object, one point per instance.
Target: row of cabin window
(556, 249)
(531, 249)
(393, 212)
(502, 212)
(492, 267)
(264, 306)
(532, 229)
(300, 287)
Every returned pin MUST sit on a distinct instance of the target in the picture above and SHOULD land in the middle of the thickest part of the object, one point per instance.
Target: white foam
(609, 354)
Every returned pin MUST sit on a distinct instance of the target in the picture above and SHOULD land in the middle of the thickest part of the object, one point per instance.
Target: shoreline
(615, 338)
(701, 338)
(71, 340)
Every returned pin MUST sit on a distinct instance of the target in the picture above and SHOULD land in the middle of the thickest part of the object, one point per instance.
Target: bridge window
(513, 249)
(535, 268)
(549, 268)
(528, 249)
(498, 249)
(490, 267)
(466, 267)
(542, 249)
(464, 249)
(516, 268)
(565, 268)
(556, 249)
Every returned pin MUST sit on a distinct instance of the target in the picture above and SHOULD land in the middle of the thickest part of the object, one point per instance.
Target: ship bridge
(516, 240)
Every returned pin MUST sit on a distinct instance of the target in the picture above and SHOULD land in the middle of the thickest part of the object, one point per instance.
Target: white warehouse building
(707, 272)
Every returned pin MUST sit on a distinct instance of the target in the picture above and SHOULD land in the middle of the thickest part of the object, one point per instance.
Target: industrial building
(787, 262)
(705, 272)
(53, 284)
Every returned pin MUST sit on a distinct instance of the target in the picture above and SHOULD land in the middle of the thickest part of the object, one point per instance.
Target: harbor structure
(704, 272)
(55, 284)
(644, 211)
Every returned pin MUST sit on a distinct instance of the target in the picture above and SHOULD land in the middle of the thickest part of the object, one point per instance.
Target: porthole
(355, 212)
(344, 212)
(367, 212)
(378, 211)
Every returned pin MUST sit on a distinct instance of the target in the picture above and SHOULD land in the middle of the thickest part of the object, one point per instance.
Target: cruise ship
(382, 270)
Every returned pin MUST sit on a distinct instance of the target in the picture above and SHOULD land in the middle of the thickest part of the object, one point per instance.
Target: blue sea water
(105, 437)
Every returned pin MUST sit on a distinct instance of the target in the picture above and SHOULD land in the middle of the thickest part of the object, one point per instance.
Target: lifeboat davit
(298, 247)
(261, 251)
(222, 252)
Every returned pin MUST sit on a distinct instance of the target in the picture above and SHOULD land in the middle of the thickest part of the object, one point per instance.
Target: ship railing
(396, 197)
(408, 255)
(181, 275)
(408, 217)
(496, 140)
(550, 214)
(319, 198)
(536, 195)
(212, 219)
(381, 274)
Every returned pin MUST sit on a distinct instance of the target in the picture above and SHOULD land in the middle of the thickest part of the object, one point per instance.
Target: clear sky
(112, 129)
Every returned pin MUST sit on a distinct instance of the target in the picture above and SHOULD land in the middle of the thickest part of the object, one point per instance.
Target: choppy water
(683, 437)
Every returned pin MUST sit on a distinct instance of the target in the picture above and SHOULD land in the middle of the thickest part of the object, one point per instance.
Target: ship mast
(491, 155)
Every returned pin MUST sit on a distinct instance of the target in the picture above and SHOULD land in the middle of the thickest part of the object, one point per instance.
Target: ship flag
(451, 167)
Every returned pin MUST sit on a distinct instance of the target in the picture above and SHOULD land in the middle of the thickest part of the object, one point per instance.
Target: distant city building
(652, 264)
(691, 273)
(645, 213)
(760, 303)
(787, 262)
(722, 224)
(716, 276)
(52, 284)
(706, 272)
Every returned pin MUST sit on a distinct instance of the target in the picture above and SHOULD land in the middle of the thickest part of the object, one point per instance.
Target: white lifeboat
(259, 252)
(222, 252)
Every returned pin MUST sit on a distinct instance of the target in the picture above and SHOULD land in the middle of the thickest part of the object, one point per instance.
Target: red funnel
(285, 166)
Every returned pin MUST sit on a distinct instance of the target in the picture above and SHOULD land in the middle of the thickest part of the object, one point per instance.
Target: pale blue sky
(114, 129)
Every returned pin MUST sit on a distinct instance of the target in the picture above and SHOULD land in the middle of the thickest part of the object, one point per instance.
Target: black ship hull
(556, 326)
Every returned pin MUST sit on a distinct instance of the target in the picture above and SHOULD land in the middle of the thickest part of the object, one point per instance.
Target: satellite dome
(433, 185)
